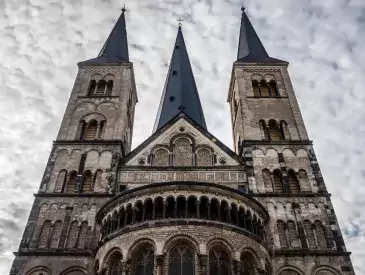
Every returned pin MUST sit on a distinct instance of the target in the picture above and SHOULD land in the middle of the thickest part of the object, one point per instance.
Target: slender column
(203, 263)
(175, 210)
(144, 213)
(125, 218)
(125, 267)
(133, 216)
(78, 235)
(237, 218)
(197, 209)
(219, 213)
(159, 263)
(186, 209)
(154, 211)
(208, 210)
(164, 209)
(237, 267)
(229, 214)
(97, 130)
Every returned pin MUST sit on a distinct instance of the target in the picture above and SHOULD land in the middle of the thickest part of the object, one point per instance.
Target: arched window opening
(101, 87)
(86, 182)
(129, 214)
(219, 263)
(90, 130)
(138, 209)
(81, 130)
(101, 129)
(148, 205)
(170, 213)
(56, 234)
(158, 208)
(181, 261)
(192, 203)
(204, 157)
(225, 213)
(109, 87)
(234, 214)
(43, 237)
(81, 242)
(92, 87)
(274, 131)
(264, 130)
(267, 180)
(214, 210)
(282, 234)
(144, 263)
(116, 265)
(256, 88)
(293, 234)
(284, 130)
(273, 88)
(72, 235)
(161, 157)
(293, 182)
(181, 207)
(247, 264)
(278, 182)
(264, 88)
(204, 208)
(60, 182)
(182, 152)
(71, 183)
(320, 234)
(308, 230)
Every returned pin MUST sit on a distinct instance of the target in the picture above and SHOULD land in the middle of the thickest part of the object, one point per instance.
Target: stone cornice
(290, 195)
(87, 142)
(55, 253)
(76, 195)
(307, 252)
(276, 142)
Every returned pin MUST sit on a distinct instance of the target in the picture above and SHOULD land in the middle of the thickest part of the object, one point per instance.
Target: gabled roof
(180, 93)
(161, 132)
(250, 48)
(115, 49)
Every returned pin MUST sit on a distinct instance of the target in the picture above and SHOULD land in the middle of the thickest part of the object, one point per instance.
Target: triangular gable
(182, 125)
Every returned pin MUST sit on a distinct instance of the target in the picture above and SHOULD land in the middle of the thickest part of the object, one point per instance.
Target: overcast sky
(41, 42)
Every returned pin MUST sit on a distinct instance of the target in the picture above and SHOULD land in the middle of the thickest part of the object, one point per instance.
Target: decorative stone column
(159, 264)
(204, 263)
(237, 267)
(125, 267)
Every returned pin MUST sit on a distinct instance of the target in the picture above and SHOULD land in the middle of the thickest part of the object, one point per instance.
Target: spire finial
(123, 9)
(243, 8)
(180, 20)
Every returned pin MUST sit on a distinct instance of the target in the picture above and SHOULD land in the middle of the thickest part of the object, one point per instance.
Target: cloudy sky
(41, 42)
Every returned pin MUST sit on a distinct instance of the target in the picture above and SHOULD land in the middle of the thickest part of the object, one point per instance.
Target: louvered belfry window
(90, 130)
(86, 182)
(293, 183)
(71, 184)
(181, 261)
(274, 130)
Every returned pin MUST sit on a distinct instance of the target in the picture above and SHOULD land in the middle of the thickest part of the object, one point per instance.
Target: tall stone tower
(182, 203)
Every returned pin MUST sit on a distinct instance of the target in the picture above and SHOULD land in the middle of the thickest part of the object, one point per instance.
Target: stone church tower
(182, 203)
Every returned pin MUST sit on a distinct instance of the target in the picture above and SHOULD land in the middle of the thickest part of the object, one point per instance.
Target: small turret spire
(180, 93)
(250, 48)
(115, 49)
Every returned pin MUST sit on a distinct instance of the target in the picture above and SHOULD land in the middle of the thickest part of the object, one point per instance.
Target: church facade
(182, 202)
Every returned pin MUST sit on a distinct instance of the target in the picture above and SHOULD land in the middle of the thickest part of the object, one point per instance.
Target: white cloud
(43, 40)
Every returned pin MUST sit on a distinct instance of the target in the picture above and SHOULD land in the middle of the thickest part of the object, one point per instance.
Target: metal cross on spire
(180, 20)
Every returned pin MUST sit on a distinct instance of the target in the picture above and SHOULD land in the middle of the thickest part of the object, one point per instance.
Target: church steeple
(250, 48)
(115, 49)
(180, 92)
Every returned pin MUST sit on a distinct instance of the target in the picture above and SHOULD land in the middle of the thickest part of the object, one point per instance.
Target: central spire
(180, 93)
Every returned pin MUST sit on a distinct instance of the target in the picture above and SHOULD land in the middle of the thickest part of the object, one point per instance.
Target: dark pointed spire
(115, 49)
(180, 92)
(250, 48)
